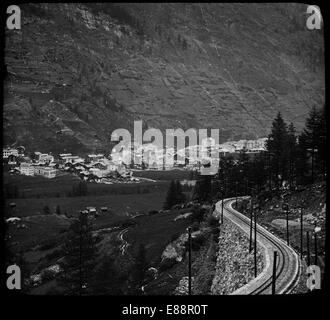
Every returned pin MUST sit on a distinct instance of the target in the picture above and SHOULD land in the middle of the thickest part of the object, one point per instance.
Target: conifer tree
(171, 196)
(80, 255)
(107, 278)
(314, 135)
(292, 153)
(180, 196)
(276, 144)
(139, 270)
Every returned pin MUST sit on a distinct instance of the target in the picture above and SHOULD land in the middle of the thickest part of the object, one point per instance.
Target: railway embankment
(235, 264)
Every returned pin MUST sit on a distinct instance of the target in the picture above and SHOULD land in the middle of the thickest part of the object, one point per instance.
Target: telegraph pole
(189, 261)
(80, 258)
(308, 251)
(285, 208)
(313, 162)
(223, 197)
(236, 183)
(287, 227)
(315, 248)
(255, 244)
(251, 225)
(274, 273)
(301, 234)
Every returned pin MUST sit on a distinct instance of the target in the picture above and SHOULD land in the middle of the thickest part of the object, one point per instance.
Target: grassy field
(164, 175)
(40, 187)
(120, 204)
(37, 234)
(155, 232)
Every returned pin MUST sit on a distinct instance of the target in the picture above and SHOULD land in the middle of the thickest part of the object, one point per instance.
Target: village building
(94, 157)
(47, 172)
(43, 158)
(27, 169)
(69, 158)
(9, 151)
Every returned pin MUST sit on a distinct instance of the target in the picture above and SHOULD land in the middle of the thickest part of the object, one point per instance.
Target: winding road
(288, 263)
(124, 243)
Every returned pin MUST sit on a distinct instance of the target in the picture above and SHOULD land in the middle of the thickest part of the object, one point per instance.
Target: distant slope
(76, 72)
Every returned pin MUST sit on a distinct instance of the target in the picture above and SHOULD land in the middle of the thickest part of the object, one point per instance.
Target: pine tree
(302, 159)
(276, 145)
(203, 189)
(139, 270)
(292, 152)
(314, 135)
(171, 196)
(107, 279)
(80, 255)
(180, 196)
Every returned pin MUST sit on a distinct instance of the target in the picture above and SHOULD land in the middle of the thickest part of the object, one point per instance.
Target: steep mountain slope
(76, 72)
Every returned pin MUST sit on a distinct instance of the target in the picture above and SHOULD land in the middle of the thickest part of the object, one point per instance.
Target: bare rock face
(76, 72)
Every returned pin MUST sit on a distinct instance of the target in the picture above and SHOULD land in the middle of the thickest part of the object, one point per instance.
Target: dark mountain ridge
(76, 72)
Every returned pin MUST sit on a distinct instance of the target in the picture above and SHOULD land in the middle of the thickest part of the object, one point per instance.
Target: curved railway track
(288, 262)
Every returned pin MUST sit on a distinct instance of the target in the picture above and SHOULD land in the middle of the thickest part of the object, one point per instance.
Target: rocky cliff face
(76, 72)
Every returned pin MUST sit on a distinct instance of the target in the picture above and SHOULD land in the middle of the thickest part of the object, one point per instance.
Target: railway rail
(288, 266)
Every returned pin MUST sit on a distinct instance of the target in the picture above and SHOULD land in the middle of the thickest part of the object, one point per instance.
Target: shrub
(167, 264)
(212, 221)
(47, 275)
(54, 255)
(198, 214)
(197, 242)
(195, 226)
(47, 245)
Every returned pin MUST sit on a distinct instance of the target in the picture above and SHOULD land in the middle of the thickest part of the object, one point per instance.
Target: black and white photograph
(164, 149)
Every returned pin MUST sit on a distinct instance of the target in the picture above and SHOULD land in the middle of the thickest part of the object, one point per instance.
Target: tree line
(84, 273)
(290, 161)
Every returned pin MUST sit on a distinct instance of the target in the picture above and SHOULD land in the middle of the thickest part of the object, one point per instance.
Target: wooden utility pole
(223, 197)
(80, 258)
(308, 250)
(189, 261)
(251, 226)
(274, 273)
(315, 248)
(255, 244)
(270, 172)
(287, 227)
(301, 234)
(285, 208)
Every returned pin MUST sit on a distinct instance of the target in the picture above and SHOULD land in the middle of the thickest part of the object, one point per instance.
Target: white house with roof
(43, 158)
(27, 169)
(9, 151)
(69, 158)
(95, 157)
(47, 172)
